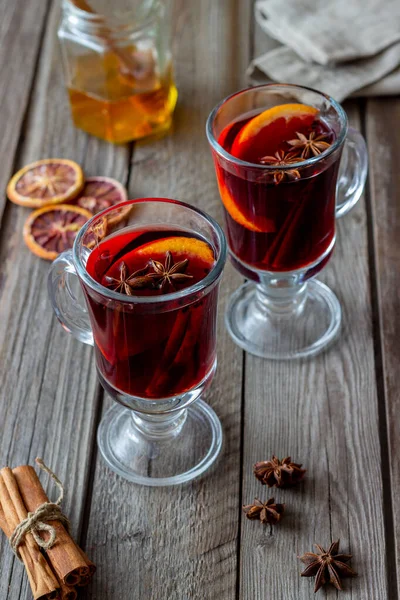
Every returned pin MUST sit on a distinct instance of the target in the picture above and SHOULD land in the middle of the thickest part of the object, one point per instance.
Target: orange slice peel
(258, 225)
(50, 230)
(180, 247)
(46, 182)
(290, 116)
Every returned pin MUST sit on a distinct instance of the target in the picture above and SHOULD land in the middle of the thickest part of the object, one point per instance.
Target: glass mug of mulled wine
(150, 271)
(286, 164)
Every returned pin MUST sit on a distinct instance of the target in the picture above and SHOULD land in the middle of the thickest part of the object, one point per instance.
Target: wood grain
(49, 393)
(323, 412)
(381, 116)
(192, 543)
(180, 543)
(21, 25)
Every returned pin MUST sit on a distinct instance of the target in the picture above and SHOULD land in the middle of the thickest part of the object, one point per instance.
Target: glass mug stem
(159, 426)
(281, 297)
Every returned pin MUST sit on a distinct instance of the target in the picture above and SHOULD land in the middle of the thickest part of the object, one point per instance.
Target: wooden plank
(21, 24)
(384, 149)
(181, 542)
(49, 393)
(323, 412)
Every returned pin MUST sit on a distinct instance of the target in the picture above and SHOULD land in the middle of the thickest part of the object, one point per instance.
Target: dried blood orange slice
(52, 229)
(45, 182)
(263, 134)
(99, 193)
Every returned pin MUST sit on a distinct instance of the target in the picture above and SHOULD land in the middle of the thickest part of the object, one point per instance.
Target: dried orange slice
(259, 224)
(260, 135)
(45, 182)
(99, 193)
(50, 230)
(180, 247)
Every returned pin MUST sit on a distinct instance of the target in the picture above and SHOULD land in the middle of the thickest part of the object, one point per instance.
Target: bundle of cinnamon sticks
(64, 567)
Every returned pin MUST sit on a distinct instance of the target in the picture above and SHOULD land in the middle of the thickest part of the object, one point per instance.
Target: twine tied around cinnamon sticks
(64, 566)
(38, 520)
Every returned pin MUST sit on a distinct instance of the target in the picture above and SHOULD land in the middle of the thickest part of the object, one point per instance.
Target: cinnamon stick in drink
(183, 353)
(43, 583)
(174, 342)
(68, 561)
(284, 233)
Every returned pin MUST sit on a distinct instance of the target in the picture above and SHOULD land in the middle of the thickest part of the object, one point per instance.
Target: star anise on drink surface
(266, 512)
(281, 159)
(327, 566)
(169, 273)
(126, 283)
(309, 145)
(278, 473)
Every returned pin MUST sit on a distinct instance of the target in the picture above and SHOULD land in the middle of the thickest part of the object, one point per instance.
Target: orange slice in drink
(180, 247)
(46, 182)
(50, 230)
(259, 224)
(99, 193)
(198, 255)
(263, 134)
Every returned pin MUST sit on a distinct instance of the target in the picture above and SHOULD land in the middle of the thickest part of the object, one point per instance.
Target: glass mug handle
(352, 172)
(72, 315)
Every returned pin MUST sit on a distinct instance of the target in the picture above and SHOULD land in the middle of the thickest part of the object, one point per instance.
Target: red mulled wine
(278, 220)
(160, 349)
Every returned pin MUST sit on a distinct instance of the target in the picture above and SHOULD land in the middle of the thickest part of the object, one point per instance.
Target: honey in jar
(118, 68)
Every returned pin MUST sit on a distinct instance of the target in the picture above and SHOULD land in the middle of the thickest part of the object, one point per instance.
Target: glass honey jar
(117, 65)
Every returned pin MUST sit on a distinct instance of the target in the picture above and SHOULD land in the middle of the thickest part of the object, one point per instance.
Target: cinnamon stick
(273, 253)
(67, 592)
(193, 330)
(91, 566)
(3, 523)
(171, 349)
(68, 561)
(43, 583)
(183, 353)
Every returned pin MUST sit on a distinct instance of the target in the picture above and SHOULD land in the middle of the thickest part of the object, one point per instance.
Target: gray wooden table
(338, 413)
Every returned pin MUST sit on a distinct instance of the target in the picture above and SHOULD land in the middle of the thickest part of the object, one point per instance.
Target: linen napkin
(341, 47)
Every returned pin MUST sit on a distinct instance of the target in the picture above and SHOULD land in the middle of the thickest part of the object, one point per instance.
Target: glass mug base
(189, 443)
(304, 326)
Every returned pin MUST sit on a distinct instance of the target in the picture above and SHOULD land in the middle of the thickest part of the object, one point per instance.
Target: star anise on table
(169, 273)
(281, 159)
(327, 566)
(126, 283)
(278, 473)
(266, 512)
(309, 145)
